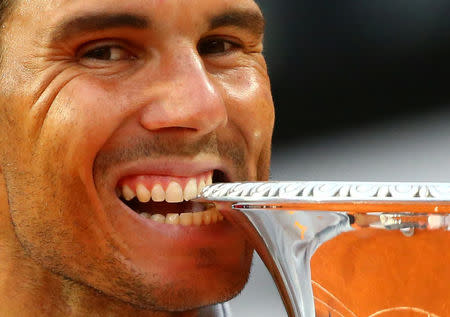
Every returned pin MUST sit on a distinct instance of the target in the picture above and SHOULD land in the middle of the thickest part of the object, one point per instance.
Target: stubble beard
(127, 286)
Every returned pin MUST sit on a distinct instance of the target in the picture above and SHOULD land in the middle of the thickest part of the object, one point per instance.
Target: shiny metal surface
(400, 193)
(288, 221)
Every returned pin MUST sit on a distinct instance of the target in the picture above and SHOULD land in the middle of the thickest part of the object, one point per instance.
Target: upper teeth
(147, 188)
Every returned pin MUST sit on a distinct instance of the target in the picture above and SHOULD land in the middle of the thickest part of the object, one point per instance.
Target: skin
(73, 122)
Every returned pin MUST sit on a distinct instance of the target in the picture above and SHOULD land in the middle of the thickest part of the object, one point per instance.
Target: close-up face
(114, 114)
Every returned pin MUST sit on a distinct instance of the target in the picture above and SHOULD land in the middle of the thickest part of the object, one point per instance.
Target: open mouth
(167, 199)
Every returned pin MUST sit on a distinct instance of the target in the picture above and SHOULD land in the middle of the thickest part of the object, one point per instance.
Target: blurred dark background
(339, 65)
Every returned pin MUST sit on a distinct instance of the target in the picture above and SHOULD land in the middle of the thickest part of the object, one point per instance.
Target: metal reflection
(287, 221)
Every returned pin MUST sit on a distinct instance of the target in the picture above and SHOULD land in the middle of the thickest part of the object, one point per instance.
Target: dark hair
(5, 6)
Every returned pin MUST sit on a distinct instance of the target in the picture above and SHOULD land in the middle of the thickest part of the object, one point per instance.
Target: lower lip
(173, 248)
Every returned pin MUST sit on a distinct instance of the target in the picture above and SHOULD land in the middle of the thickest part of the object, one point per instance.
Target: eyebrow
(97, 22)
(250, 20)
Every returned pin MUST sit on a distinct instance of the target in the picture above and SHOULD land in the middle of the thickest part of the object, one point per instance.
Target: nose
(188, 98)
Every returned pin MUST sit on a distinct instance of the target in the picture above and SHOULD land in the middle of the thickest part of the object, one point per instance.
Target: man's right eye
(107, 53)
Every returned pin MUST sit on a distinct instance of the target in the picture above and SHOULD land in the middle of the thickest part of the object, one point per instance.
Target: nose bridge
(190, 80)
(188, 99)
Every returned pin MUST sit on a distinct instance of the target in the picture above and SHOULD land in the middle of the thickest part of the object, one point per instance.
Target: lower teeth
(209, 216)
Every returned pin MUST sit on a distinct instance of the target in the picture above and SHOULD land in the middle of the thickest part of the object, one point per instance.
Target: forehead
(50, 12)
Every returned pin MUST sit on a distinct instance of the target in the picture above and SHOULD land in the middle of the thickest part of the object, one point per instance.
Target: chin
(184, 291)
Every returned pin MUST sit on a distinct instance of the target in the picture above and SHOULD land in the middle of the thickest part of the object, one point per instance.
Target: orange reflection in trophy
(348, 249)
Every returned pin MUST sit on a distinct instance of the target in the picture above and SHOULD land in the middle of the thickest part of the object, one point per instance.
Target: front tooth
(158, 193)
(186, 219)
(174, 193)
(209, 179)
(173, 219)
(128, 193)
(201, 185)
(158, 218)
(143, 194)
(190, 191)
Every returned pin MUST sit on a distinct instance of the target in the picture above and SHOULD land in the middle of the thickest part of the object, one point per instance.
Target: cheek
(52, 200)
(60, 162)
(81, 119)
(249, 99)
(250, 108)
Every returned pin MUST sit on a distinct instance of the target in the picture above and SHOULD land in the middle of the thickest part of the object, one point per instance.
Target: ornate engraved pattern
(326, 191)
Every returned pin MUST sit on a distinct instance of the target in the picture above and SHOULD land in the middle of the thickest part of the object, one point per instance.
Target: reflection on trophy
(379, 248)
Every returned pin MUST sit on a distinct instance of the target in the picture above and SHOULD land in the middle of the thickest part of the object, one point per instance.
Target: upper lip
(167, 167)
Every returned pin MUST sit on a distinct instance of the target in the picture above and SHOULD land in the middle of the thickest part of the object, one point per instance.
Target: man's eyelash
(214, 44)
(102, 45)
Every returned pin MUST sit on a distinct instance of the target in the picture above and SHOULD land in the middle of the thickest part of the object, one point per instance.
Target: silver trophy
(288, 221)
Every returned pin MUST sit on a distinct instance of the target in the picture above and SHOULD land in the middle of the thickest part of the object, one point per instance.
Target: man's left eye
(216, 46)
(108, 53)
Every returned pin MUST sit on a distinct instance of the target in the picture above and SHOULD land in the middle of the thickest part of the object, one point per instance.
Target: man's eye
(108, 53)
(216, 46)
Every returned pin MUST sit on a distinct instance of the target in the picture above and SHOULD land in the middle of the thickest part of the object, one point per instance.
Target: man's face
(107, 97)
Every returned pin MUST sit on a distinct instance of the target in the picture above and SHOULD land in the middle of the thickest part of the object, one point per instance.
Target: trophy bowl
(383, 244)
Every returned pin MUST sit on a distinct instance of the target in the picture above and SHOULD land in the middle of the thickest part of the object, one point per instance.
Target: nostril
(174, 129)
(182, 117)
